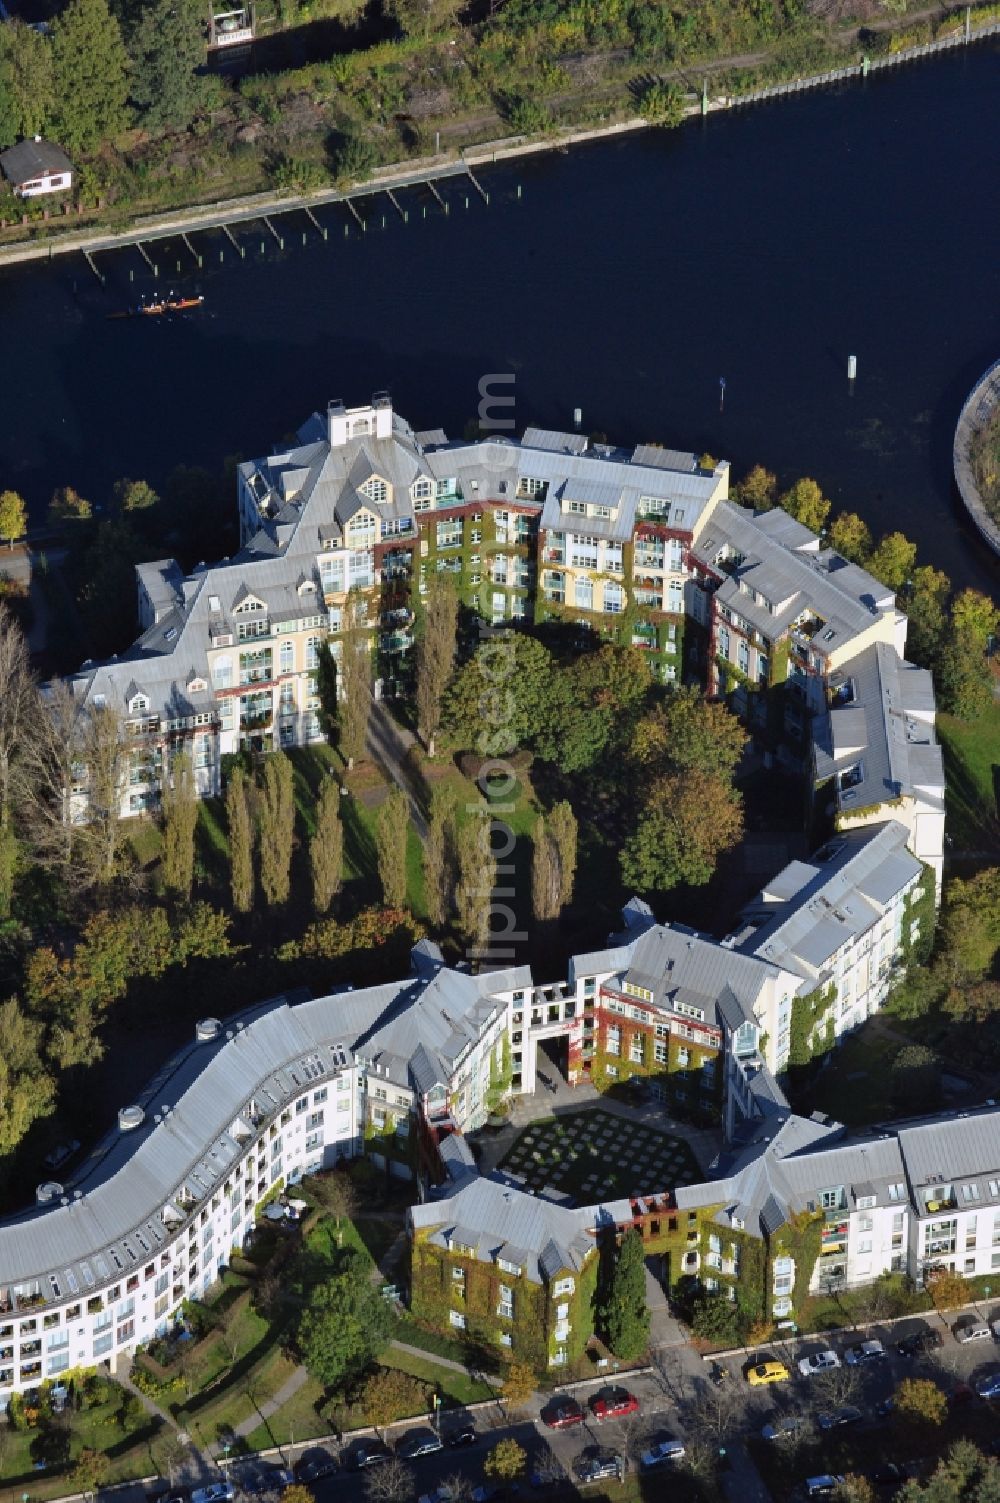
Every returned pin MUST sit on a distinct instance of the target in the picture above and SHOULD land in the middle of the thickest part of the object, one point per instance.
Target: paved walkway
(200, 1461)
(388, 743)
(418, 1351)
(263, 1412)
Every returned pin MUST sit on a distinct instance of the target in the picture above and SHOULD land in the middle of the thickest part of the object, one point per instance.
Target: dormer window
(307, 587)
(137, 705)
(251, 603)
(376, 490)
(195, 686)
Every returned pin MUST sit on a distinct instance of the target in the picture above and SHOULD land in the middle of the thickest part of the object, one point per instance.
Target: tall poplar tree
(476, 880)
(276, 822)
(180, 818)
(240, 840)
(354, 699)
(90, 70)
(544, 873)
(562, 828)
(439, 858)
(392, 821)
(326, 849)
(435, 655)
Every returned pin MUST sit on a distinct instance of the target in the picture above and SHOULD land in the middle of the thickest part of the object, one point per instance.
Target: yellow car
(767, 1372)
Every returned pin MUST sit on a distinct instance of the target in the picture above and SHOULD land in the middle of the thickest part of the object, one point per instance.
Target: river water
(762, 246)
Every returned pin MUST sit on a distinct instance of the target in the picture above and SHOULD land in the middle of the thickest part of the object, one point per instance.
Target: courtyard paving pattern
(592, 1155)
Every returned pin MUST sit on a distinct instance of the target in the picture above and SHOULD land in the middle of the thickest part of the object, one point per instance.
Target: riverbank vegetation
(152, 128)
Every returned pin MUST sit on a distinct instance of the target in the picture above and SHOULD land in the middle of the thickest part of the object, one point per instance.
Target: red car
(562, 1414)
(613, 1403)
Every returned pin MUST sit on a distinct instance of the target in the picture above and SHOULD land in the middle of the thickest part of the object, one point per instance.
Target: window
(897, 1192)
(660, 1053)
(564, 1286)
(970, 1192)
(614, 598)
(457, 1319)
(723, 643)
(613, 1039)
(376, 490)
(683, 1057)
(583, 594)
(637, 1049)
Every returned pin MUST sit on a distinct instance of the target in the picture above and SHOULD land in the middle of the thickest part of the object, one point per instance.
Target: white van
(978, 1331)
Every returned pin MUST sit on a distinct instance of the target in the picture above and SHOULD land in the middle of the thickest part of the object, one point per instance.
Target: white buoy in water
(852, 367)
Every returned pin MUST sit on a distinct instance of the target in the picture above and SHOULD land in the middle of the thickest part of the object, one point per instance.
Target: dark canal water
(764, 246)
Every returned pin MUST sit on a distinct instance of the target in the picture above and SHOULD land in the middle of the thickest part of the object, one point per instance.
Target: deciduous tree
(435, 654)
(506, 1461)
(392, 822)
(892, 560)
(20, 726)
(851, 536)
(920, 1402)
(391, 1481)
(439, 857)
(500, 699)
(133, 495)
(975, 616)
(964, 1476)
(388, 1395)
(344, 1324)
(806, 503)
(544, 873)
(757, 489)
(104, 754)
(90, 69)
(334, 1192)
(180, 820)
(948, 1290)
(965, 687)
(519, 1384)
(13, 515)
(926, 607)
(687, 820)
(91, 1471)
(686, 732)
(27, 1090)
(626, 1313)
(326, 849)
(67, 506)
(276, 821)
(562, 830)
(240, 823)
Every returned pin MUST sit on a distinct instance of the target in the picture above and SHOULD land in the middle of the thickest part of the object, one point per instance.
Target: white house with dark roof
(36, 167)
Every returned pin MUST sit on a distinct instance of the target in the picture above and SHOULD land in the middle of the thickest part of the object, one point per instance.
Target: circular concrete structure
(979, 406)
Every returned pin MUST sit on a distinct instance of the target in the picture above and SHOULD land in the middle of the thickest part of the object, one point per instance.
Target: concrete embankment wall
(981, 402)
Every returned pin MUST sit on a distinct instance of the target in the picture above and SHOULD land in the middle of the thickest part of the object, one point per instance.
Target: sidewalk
(263, 1413)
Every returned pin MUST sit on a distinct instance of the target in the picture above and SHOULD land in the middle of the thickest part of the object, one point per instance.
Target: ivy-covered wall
(687, 1079)
(810, 1031)
(435, 1291)
(800, 1238)
(919, 911)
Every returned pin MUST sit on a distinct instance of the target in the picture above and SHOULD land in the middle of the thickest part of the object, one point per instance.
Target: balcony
(255, 676)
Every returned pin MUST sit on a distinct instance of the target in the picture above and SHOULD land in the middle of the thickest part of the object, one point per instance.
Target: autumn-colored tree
(920, 1402)
(851, 536)
(892, 560)
(240, 823)
(975, 615)
(133, 495)
(91, 1471)
(276, 823)
(806, 503)
(21, 720)
(103, 753)
(544, 873)
(392, 823)
(926, 613)
(354, 697)
(326, 848)
(297, 1492)
(388, 1395)
(179, 805)
(13, 517)
(27, 1090)
(948, 1290)
(506, 1461)
(67, 506)
(476, 879)
(562, 831)
(435, 654)
(757, 489)
(519, 1384)
(685, 823)
(685, 732)
(439, 857)
(855, 1488)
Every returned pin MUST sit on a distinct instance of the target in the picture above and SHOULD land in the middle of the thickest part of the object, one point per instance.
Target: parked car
(440, 1494)
(823, 1485)
(781, 1427)
(215, 1492)
(369, 1453)
(919, 1342)
(418, 1443)
(462, 1435)
(847, 1414)
(767, 1372)
(257, 1481)
(976, 1330)
(988, 1387)
(612, 1402)
(312, 1465)
(661, 1454)
(594, 1464)
(819, 1362)
(863, 1352)
(562, 1413)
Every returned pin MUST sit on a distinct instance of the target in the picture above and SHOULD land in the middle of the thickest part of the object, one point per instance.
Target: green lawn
(972, 770)
(301, 1418)
(95, 1429)
(855, 1086)
(593, 1155)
